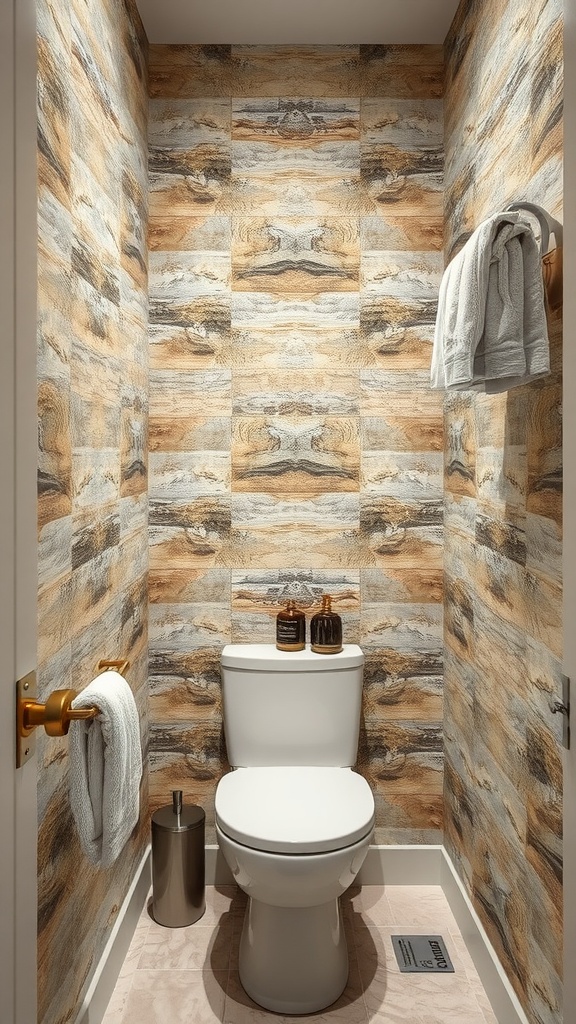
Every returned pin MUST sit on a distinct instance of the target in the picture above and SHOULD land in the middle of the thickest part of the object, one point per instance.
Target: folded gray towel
(105, 768)
(491, 332)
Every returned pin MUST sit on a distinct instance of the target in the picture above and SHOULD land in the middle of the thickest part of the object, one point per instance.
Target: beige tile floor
(190, 975)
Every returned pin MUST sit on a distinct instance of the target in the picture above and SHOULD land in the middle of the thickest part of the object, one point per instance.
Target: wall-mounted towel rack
(55, 715)
(552, 259)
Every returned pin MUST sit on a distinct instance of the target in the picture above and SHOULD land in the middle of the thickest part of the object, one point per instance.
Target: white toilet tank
(295, 708)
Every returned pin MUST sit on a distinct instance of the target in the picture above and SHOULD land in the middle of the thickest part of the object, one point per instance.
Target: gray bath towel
(105, 768)
(491, 332)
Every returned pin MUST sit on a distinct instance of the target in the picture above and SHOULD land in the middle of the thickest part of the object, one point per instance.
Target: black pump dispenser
(326, 629)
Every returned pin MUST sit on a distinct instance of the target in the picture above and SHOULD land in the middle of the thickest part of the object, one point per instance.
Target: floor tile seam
(475, 998)
(124, 1015)
(491, 1019)
(363, 997)
(227, 988)
(233, 956)
(185, 970)
(407, 929)
(219, 972)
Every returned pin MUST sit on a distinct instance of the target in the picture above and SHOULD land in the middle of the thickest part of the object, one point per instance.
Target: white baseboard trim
(502, 996)
(384, 865)
(108, 968)
(217, 870)
(401, 865)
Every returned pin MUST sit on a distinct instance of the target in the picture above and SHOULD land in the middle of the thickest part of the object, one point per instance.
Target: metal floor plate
(422, 954)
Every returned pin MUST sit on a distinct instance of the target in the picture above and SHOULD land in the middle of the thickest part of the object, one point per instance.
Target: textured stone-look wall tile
(318, 71)
(295, 254)
(295, 445)
(92, 473)
(258, 596)
(402, 71)
(502, 473)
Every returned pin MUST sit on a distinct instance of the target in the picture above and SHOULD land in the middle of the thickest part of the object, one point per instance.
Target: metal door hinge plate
(26, 689)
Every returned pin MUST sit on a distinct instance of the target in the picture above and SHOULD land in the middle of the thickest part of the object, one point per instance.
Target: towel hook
(552, 259)
(548, 224)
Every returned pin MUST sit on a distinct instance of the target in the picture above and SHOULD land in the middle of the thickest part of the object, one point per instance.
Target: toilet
(293, 820)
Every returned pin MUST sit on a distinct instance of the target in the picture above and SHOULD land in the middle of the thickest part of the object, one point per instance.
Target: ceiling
(297, 21)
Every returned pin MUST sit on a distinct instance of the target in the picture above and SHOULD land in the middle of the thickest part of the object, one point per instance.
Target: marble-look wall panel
(92, 470)
(295, 445)
(503, 529)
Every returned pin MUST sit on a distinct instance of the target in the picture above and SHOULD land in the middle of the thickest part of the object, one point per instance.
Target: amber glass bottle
(291, 629)
(326, 629)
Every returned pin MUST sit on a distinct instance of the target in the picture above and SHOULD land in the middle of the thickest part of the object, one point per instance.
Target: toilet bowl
(294, 839)
(294, 834)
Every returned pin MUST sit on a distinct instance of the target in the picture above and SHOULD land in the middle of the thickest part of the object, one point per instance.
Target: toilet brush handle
(177, 801)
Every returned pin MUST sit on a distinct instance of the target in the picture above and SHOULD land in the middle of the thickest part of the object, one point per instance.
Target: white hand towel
(105, 768)
(491, 332)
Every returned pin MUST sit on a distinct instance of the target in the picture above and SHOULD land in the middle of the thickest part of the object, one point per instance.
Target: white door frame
(18, 532)
(569, 557)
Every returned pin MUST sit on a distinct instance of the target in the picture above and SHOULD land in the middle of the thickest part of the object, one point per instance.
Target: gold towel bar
(55, 715)
(119, 666)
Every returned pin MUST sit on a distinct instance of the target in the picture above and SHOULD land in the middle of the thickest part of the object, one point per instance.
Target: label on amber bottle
(288, 631)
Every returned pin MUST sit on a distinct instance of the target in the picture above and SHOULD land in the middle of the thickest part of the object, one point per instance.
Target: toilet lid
(294, 810)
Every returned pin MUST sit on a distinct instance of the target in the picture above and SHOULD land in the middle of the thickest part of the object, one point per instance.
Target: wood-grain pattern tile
(189, 535)
(181, 475)
(188, 586)
(192, 234)
(180, 628)
(183, 687)
(54, 116)
(296, 347)
(190, 759)
(170, 432)
(307, 392)
(193, 392)
(402, 71)
(405, 475)
(298, 71)
(295, 254)
(311, 531)
(402, 687)
(408, 628)
(187, 183)
(325, 310)
(189, 71)
(287, 454)
(258, 596)
(398, 306)
(401, 533)
(503, 527)
(401, 156)
(181, 124)
(394, 233)
(203, 339)
(92, 398)
(290, 338)
(403, 426)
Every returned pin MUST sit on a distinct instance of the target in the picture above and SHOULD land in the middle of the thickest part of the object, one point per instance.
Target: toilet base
(293, 960)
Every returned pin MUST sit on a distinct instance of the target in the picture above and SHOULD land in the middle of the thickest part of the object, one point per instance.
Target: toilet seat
(295, 810)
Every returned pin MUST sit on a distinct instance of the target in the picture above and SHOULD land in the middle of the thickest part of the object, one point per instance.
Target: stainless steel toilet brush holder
(178, 863)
